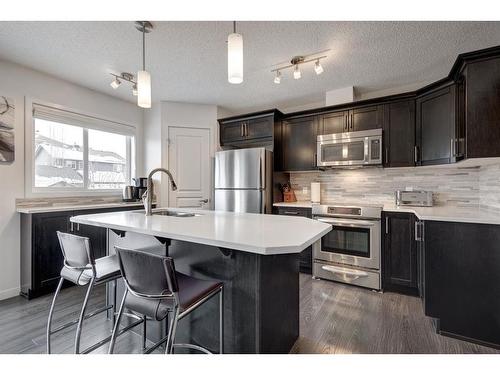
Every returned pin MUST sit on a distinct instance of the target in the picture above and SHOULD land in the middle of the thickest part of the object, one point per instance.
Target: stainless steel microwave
(353, 148)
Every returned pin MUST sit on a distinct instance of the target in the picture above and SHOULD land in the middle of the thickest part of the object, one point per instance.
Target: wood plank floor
(334, 318)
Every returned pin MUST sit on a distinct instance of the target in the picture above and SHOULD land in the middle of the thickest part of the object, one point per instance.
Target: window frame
(130, 131)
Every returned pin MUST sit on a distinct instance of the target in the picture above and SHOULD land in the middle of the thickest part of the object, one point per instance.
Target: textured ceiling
(188, 63)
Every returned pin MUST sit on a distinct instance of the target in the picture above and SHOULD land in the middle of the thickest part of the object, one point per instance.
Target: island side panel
(261, 298)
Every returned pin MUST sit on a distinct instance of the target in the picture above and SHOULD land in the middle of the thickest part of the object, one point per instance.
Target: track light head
(277, 79)
(296, 72)
(318, 68)
(116, 83)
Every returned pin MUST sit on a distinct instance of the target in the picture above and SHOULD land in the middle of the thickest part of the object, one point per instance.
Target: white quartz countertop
(449, 213)
(435, 213)
(75, 207)
(255, 233)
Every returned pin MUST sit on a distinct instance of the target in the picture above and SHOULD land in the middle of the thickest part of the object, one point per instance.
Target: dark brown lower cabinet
(400, 268)
(462, 279)
(41, 257)
(305, 265)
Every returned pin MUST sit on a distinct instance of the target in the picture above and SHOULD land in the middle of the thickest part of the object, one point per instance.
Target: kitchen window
(79, 153)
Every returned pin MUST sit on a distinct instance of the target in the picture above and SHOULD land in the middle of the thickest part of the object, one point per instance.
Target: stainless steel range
(350, 253)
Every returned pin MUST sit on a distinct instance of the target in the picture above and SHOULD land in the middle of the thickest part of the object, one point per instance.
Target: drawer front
(295, 211)
(343, 274)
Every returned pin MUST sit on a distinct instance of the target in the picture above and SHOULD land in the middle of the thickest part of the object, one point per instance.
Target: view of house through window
(73, 157)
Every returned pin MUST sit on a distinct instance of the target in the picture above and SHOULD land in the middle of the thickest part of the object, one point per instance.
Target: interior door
(189, 161)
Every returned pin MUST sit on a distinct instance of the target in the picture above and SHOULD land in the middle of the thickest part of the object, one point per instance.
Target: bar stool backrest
(76, 251)
(147, 275)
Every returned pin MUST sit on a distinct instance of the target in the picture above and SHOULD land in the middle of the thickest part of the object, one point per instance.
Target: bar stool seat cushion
(191, 290)
(107, 269)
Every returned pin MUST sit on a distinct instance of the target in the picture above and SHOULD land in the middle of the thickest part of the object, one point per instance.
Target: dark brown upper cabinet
(481, 88)
(436, 127)
(299, 143)
(335, 122)
(357, 119)
(399, 134)
(366, 118)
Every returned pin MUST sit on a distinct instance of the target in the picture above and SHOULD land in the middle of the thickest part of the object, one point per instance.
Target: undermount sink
(175, 213)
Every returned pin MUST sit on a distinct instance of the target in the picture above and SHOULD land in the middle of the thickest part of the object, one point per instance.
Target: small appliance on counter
(420, 198)
(141, 183)
(129, 193)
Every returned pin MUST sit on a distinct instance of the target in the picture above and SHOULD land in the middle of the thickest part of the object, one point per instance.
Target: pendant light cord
(143, 46)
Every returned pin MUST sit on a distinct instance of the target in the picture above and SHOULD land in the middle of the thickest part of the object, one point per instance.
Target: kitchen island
(256, 257)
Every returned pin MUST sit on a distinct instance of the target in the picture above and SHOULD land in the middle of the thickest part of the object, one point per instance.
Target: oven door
(351, 241)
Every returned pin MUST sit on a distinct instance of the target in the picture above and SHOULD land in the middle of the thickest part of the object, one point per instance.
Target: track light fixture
(277, 78)
(295, 63)
(122, 77)
(318, 68)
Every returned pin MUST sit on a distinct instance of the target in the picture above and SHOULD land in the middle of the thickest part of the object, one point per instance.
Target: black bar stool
(154, 289)
(82, 269)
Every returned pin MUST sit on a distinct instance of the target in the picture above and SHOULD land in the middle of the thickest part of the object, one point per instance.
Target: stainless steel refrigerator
(243, 180)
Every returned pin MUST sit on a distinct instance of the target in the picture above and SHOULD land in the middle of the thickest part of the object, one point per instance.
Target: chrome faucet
(147, 197)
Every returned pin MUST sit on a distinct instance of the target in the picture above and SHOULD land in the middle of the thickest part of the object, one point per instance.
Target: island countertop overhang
(255, 233)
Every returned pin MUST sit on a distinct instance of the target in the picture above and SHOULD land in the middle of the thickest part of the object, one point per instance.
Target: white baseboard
(8, 293)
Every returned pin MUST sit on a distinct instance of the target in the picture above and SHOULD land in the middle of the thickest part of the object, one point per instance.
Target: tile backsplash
(475, 186)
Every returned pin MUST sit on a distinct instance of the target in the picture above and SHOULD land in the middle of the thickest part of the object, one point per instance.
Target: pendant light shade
(235, 57)
(143, 89)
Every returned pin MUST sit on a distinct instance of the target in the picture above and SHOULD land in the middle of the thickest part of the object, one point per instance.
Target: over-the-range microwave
(350, 149)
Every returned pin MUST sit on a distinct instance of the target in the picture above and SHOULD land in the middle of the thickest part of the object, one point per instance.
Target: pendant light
(235, 57)
(143, 76)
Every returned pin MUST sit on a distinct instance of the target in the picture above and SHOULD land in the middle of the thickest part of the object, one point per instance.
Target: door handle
(204, 201)
(354, 274)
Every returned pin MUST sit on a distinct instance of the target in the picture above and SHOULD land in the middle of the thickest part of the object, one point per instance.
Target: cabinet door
(259, 127)
(366, 118)
(400, 258)
(231, 132)
(305, 260)
(436, 127)
(299, 144)
(334, 122)
(46, 251)
(462, 279)
(399, 134)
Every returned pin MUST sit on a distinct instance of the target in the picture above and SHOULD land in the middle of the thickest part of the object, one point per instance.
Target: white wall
(19, 82)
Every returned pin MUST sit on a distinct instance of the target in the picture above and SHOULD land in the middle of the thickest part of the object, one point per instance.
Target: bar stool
(155, 289)
(82, 269)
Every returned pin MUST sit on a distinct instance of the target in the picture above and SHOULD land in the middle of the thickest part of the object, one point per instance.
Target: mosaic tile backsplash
(476, 186)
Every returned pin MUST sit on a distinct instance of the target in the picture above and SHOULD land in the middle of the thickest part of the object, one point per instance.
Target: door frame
(165, 187)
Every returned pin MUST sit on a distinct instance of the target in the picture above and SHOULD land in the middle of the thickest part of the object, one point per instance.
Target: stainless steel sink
(172, 213)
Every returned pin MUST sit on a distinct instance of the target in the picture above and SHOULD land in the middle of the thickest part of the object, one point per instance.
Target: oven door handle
(354, 274)
(350, 223)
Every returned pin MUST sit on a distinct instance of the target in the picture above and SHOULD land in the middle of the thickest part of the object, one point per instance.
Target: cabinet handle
(246, 125)
(387, 225)
(78, 227)
(387, 154)
(314, 159)
(71, 226)
(290, 212)
(242, 129)
(346, 125)
(415, 154)
(417, 237)
(352, 121)
(452, 148)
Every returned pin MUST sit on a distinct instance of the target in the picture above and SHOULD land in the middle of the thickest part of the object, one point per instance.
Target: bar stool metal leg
(144, 332)
(82, 315)
(51, 312)
(221, 320)
(169, 348)
(115, 282)
(117, 324)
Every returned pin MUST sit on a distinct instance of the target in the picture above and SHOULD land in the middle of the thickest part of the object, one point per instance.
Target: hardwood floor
(334, 318)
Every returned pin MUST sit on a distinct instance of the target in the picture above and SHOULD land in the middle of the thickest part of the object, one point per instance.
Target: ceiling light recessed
(296, 72)
(115, 83)
(318, 68)
(277, 79)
